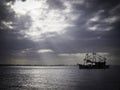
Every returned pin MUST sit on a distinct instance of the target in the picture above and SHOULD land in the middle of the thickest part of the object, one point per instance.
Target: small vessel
(94, 61)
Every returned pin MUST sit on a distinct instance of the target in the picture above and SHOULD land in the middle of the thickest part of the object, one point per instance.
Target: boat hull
(92, 66)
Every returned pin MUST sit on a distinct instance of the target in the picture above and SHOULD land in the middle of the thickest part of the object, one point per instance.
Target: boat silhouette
(94, 61)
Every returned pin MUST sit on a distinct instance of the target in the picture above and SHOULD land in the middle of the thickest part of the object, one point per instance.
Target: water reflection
(34, 77)
(57, 78)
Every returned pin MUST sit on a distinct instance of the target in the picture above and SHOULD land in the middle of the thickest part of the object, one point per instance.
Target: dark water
(58, 78)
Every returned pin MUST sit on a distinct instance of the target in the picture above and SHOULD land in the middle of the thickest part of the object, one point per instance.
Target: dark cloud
(6, 14)
(102, 9)
(56, 4)
(105, 38)
(10, 39)
(10, 43)
(95, 29)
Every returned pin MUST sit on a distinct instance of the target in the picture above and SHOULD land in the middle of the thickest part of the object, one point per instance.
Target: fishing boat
(94, 61)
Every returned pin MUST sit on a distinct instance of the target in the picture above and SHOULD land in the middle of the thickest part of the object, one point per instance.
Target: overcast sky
(58, 31)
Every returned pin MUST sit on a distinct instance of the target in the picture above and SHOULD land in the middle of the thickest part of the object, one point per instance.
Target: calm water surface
(58, 78)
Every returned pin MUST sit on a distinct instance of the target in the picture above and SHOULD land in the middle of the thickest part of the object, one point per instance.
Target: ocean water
(58, 78)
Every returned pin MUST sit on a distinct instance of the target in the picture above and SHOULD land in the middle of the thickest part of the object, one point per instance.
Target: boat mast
(86, 59)
(94, 57)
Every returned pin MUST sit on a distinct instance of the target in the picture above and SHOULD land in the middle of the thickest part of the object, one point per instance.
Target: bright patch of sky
(45, 51)
(44, 20)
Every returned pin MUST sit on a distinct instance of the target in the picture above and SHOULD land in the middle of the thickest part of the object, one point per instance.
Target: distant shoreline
(32, 65)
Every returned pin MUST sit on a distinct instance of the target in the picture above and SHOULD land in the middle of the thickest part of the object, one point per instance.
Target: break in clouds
(58, 31)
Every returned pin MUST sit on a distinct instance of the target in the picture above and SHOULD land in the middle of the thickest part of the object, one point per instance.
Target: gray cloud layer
(96, 28)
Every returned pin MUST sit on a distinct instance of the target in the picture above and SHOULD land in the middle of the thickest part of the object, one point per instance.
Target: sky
(50, 32)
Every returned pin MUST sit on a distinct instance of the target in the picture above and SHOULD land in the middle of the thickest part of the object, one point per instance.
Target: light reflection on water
(57, 78)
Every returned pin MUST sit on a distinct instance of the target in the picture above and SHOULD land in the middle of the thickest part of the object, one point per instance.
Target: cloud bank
(56, 31)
